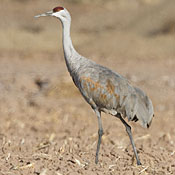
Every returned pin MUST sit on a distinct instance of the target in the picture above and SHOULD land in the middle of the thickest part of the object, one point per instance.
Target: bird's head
(58, 12)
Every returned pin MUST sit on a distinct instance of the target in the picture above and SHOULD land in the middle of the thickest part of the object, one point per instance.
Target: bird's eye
(57, 9)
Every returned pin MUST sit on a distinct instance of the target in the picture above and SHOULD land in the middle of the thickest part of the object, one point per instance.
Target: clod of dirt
(166, 29)
(42, 84)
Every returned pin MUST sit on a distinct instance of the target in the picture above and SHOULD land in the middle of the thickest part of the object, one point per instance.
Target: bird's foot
(138, 162)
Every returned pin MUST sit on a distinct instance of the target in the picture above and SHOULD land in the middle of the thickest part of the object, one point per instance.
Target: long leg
(100, 134)
(128, 130)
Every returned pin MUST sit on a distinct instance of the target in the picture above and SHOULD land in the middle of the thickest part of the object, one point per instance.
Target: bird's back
(112, 93)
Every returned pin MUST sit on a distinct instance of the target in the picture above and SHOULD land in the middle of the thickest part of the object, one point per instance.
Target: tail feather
(139, 107)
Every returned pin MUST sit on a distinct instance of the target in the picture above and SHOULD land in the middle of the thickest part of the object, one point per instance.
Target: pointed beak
(44, 14)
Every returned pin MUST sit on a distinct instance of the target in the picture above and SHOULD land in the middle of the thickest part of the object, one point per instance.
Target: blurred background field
(46, 126)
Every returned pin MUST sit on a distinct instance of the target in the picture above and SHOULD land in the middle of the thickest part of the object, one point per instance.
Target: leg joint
(100, 132)
(128, 127)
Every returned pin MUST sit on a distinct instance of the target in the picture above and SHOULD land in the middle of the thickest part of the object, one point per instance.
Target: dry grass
(21, 32)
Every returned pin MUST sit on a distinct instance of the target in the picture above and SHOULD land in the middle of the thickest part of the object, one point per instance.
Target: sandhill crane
(105, 90)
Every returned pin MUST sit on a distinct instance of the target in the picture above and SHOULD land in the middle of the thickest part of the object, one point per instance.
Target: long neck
(67, 42)
(70, 54)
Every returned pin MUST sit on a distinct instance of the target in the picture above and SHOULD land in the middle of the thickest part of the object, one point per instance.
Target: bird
(103, 89)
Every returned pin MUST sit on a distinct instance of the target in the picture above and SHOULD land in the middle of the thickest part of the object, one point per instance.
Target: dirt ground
(46, 127)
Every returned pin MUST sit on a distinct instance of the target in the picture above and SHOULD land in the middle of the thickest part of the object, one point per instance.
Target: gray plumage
(105, 90)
